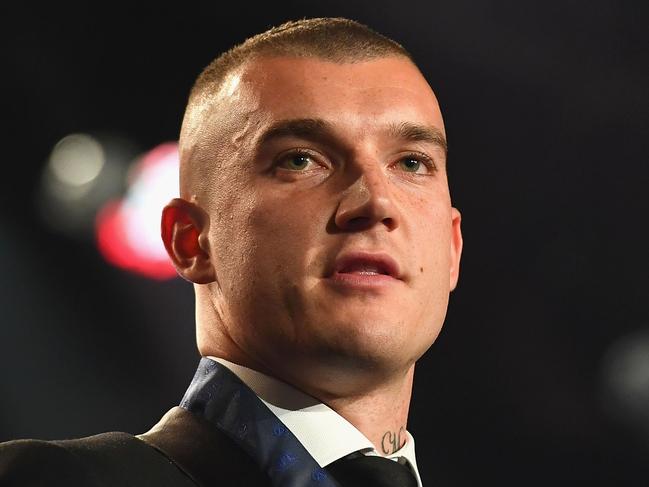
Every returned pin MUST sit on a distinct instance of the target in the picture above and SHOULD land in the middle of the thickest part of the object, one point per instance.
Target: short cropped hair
(338, 40)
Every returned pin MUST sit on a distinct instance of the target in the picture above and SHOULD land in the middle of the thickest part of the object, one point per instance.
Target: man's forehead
(287, 88)
(262, 72)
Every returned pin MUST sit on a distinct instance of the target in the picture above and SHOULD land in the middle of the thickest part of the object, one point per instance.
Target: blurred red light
(128, 230)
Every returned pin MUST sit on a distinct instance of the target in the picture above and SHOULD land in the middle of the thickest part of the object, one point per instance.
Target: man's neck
(381, 415)
(379, 412)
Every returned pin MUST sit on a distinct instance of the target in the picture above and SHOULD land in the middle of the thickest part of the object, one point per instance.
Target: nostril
(359, 214)
(359, 223)
(390, 223)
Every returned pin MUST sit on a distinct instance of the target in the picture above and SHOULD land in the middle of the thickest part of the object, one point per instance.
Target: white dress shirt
(325, 434)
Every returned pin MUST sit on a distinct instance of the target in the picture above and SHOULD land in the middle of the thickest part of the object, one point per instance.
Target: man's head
(315, 216)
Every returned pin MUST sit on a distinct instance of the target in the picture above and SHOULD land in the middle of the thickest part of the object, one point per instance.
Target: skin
(258, 230)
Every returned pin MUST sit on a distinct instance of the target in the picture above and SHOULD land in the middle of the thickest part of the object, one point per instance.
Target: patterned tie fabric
(220, 397)
(371, 471)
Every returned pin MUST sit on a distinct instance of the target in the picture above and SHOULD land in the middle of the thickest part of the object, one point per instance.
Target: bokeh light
(625, 377)
(83, 171)
(77, 160)
(128, 230)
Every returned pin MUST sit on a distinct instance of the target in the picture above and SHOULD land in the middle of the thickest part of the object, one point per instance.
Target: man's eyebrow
(299, 127)
(418, 133)
(315, 128)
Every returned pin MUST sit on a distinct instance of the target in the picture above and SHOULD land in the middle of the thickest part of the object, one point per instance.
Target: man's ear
(456, 246)
(184, 229)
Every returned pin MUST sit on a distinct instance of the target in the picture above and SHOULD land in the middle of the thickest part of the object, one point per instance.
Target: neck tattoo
(392, 442)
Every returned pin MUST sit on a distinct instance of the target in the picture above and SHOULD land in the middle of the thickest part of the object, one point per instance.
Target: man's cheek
(277, 221)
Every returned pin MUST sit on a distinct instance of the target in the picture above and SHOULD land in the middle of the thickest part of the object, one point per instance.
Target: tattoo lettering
(391, 441)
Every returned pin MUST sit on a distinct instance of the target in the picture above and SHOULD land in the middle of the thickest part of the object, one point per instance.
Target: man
(316, 224)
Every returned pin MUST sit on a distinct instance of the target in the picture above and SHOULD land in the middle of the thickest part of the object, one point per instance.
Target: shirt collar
(308, 419)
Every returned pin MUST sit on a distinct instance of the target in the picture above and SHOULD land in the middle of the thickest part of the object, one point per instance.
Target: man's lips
(366, 264)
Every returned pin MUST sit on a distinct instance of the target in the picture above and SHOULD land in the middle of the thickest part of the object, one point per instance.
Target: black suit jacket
(182, 450)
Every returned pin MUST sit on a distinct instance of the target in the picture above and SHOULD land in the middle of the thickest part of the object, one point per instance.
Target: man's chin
(367, 339)
(352, 368)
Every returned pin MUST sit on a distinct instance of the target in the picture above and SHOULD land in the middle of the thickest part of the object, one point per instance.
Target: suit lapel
(203, 452)
(225, 415)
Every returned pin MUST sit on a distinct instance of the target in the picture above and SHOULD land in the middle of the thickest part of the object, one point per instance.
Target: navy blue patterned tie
(220, 397)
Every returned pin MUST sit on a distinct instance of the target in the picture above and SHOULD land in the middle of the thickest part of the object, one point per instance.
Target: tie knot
(371, 471)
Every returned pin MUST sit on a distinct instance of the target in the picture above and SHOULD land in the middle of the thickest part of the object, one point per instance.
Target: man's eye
(416, 164)
(298, 161)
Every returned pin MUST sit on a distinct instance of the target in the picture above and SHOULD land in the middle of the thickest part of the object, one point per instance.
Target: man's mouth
(362, 269)
(367, 263)
(365, 270)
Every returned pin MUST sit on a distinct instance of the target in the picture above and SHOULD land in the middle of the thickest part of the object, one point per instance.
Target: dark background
(532, 381)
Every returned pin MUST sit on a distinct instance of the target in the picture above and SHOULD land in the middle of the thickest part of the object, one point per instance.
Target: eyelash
(295, 153)
(419, 156)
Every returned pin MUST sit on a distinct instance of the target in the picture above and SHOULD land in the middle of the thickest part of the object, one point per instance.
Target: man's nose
(366, 202)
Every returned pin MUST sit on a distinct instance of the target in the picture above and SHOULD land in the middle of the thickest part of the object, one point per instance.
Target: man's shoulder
(182, 450)
(37, 462)
(113, 458)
